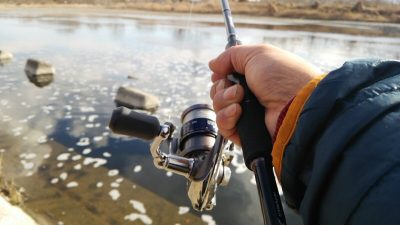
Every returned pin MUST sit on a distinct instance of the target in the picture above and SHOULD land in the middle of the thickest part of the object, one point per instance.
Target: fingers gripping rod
(255, 139)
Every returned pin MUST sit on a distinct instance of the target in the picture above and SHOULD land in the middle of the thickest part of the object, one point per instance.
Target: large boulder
(133, 98)
(40, 73)
(5, 57)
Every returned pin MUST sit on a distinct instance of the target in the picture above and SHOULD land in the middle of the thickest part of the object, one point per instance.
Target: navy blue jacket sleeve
(342, 164)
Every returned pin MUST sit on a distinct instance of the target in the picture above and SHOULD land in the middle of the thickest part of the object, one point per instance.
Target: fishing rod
(255, 139)
(200, 154)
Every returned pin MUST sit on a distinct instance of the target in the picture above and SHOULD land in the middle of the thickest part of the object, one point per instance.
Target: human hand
(272, 74)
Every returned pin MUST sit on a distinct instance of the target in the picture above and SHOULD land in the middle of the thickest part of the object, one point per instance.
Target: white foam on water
(54, 180)
(72, 184)
(208, 219)
(113, 172)
(63, 156)
(78, 166)
(138, 206)
(114, 194)
(137, 169)
(76, 157)
(99, 184)
(107, 154)
(63, 175)
(183, 210)
(86, 151)
(134, 216)
(83, 141)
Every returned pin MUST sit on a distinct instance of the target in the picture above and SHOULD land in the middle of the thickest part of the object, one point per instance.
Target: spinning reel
(199, 153)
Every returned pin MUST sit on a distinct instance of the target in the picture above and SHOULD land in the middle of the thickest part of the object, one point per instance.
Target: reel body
(199, 153)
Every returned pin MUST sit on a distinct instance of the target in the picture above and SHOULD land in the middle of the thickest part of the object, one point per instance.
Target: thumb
(231, 60)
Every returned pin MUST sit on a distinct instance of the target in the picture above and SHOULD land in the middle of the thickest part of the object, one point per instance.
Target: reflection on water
(55, 139)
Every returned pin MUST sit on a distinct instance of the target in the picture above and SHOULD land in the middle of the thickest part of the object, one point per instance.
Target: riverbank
(323, 11)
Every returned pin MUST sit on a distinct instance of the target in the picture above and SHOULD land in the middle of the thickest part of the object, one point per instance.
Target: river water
(55, 142)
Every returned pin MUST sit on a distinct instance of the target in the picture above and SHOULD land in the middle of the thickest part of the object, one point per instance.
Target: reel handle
(128, 122)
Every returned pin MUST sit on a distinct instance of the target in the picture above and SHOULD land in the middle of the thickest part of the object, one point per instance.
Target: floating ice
(138, 206)
(60, 223)
(89, 125)
(68, 107)
(46, 156)
(112, 173)
(208, 219)
(114, 185)
(76, 157)
(134, 216)
(60, 164)
(63, 157)
(99, 184)
(83, 141)
(98, 138)
(78, 167)
(42, 139)
(63, 175)
(83, 117)
(91, 118)
(70, 149)
(137, 169)
(27, 165)
(114, 193)
(107, 154)
(87, 109)
(2, 150)
(183, 210)
(97, 161)
(86, 151)
(97, 125)
(54, 180)
(119, 180)
(106, 133)
(72, 184)
(169, 174)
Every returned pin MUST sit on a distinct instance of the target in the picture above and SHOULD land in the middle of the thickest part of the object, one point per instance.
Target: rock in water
(136, 99)
(40, 73)
(5, 57)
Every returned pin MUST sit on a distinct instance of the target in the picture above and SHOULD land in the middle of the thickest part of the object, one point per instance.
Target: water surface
(55, 141)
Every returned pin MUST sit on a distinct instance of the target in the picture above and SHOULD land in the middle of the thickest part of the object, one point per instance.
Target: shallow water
(55, 140)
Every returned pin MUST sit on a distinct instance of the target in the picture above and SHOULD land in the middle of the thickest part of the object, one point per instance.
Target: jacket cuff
(287, 122)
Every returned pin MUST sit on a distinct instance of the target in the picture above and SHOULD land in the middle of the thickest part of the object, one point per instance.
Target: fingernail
(220, 85)
(230, 111)
(230, 92)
